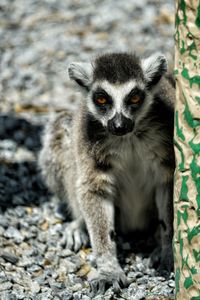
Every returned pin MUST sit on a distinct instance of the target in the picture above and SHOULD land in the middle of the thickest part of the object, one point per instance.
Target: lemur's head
(119, 88)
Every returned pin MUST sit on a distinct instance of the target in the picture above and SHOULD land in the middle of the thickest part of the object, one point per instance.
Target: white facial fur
(118, 92)
(151, 64)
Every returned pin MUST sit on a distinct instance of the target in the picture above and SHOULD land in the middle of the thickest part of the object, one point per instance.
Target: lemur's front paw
(107, 277)
(166, 265)
(162, 261)
(75, 236)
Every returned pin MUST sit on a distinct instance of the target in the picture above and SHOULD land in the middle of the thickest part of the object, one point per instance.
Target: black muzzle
(120, 125)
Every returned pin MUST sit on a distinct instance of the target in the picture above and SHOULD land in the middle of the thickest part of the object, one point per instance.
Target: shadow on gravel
(20, 182)
(22, 132)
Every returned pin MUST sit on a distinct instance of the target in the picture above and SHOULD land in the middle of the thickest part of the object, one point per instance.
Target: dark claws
(99, 286)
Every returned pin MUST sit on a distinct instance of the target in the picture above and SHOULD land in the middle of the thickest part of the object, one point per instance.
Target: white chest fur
(136, 172)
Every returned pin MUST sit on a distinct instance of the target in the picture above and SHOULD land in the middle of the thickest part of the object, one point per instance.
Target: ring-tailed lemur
(118, 153)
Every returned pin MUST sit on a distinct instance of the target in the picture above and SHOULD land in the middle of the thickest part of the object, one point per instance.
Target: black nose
(120, 125)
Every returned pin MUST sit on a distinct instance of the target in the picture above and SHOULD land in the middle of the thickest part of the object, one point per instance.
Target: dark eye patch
(100, 93)
(135, 92)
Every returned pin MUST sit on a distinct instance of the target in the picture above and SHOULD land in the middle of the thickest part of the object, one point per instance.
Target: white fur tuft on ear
(154, 67)
(81, 73)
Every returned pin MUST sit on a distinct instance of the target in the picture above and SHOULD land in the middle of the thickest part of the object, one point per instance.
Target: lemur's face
(116, 106)
(119, 88)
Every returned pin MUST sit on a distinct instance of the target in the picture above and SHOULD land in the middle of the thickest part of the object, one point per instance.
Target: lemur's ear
(154, 67)
(81, 73)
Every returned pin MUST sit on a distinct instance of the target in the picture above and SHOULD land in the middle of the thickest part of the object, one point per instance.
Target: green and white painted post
(187, 150)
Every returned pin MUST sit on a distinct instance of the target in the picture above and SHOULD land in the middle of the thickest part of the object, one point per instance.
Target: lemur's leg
(164, 201)
(98, 212)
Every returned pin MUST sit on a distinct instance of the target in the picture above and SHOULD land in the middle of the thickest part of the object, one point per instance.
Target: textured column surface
(187, 150)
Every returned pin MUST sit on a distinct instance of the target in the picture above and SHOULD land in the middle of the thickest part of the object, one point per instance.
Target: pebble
(3, 222)
(57, 285)
(1, 230)
(5, 286)
(99, 298)
(20, 211)
(14, 233)
(65, 253)
(84, 297)
(6, 295)
(7, 150)
(171, 283)
(140, 267)
(140, 294)
(66, 295)
(26, 262)
(45, 295)
(9, 257)
(142, 280)
(19, 291)
(33, 268)
(132, 288)
(3, 277)
(34, 287)
(77, 296)
(41, 280)
(77, 287)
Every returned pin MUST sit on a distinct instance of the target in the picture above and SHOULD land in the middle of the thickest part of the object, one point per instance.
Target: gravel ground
(38, 40)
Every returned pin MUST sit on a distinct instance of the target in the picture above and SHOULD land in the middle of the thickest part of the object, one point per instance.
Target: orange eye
(135, 99)
(101, 101)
